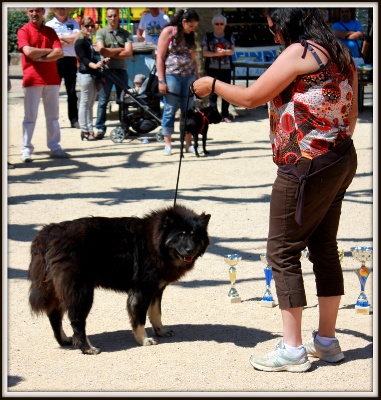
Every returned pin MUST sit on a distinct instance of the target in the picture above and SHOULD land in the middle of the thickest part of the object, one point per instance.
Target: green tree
(16, 19)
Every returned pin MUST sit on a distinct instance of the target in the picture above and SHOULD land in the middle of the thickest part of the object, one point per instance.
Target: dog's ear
(204, 218)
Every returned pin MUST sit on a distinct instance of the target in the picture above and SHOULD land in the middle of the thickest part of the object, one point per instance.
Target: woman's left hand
(203, 86)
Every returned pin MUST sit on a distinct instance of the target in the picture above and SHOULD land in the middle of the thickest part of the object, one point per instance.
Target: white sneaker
(331, 353)
(281, 360)
(190, 149)
(167, 150)
(59, 154)
(26, 156)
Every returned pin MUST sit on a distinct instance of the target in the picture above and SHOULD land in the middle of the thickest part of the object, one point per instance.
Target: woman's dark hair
(296, 24)
(177, 20)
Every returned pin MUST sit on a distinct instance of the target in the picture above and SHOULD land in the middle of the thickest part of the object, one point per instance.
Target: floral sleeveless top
(310, 116)
(179, 60)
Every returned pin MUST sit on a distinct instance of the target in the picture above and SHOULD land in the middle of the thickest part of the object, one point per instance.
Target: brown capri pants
(324, 193)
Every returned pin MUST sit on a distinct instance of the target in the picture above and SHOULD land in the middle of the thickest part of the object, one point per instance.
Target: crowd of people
(311, 130)
(66, 54)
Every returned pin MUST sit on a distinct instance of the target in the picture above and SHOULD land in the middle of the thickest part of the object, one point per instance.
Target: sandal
(88, 136)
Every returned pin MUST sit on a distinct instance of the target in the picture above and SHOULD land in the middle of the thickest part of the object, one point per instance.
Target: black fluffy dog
(137, 256)
(197, 123)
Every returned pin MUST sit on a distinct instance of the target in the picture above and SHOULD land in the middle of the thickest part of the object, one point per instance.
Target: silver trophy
(362, 254)
(232, 260)
(304, 254)
(267, 299)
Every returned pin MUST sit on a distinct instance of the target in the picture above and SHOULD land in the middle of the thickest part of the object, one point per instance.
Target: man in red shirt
(40, 48)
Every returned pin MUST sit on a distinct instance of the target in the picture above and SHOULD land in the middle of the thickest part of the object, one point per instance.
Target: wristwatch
(161, 81)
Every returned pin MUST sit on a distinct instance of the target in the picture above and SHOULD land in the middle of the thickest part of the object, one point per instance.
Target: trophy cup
(232, 260)
(341, 255)
(267, 299)
(363, 254)
(304, 254)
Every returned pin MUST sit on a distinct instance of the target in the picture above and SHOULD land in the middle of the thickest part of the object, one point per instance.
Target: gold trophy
(363, 254)
(341, 255)
(232, 260)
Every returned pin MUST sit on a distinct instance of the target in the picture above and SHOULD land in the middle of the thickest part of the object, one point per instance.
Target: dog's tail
(41, 291)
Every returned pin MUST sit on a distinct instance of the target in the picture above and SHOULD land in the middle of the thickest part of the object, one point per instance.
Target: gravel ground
(213, 338)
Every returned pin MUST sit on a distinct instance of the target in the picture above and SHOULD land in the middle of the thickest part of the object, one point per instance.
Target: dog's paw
(91, 350)
(148, 341)
(163, 332)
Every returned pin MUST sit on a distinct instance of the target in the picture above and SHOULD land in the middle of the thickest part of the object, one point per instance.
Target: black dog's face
(186, 239)
(214, 117)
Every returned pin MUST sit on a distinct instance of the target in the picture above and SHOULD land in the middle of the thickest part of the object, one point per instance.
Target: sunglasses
(89, 26)
(112, 16)
(272, 29)
(218, 23)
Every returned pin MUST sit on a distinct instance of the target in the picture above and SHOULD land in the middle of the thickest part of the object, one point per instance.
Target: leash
(182, 138)
(182, 134)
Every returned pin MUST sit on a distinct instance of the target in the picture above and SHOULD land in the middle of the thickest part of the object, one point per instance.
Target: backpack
(209, 38)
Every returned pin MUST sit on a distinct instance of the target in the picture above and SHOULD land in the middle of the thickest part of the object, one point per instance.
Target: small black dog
(137, 256)
(197, 123)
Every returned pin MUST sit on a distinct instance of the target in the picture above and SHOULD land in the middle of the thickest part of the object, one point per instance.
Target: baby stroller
(138, 113)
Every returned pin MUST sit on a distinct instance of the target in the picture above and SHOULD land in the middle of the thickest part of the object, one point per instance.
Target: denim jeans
(179, 85)
(87, 98)
(104, 96)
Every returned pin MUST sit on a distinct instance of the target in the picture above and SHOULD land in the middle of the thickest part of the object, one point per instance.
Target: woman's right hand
(163, 88)
(203, 86)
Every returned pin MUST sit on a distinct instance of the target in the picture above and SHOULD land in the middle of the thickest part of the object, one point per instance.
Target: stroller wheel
(117, 135)
(159, 136)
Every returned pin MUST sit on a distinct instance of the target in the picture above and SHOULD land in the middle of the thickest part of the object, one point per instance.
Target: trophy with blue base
(267, 299)
(362, 254)
(232, 260)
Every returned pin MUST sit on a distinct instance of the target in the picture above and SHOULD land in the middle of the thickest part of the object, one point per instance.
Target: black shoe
(75, 125)
(11, 166)
(99, 135)
(88, 136)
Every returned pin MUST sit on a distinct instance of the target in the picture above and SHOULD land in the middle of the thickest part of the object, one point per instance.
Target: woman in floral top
(312, 93)
(177, 69)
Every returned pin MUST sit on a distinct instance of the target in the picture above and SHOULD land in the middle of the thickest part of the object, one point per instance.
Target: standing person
(367, 46)
(115, 43)
(67, 30)
(87, 74)
(10, 166)
(40, 48)
(349, 31)
(152, 24)
(177, 69)
(218, 48)
(312, 93)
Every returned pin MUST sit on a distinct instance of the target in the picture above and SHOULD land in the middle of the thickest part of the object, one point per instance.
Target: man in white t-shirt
(151, 24)
(67, 30)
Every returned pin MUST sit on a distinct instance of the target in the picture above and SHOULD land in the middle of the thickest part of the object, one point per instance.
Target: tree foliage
(16, 19)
